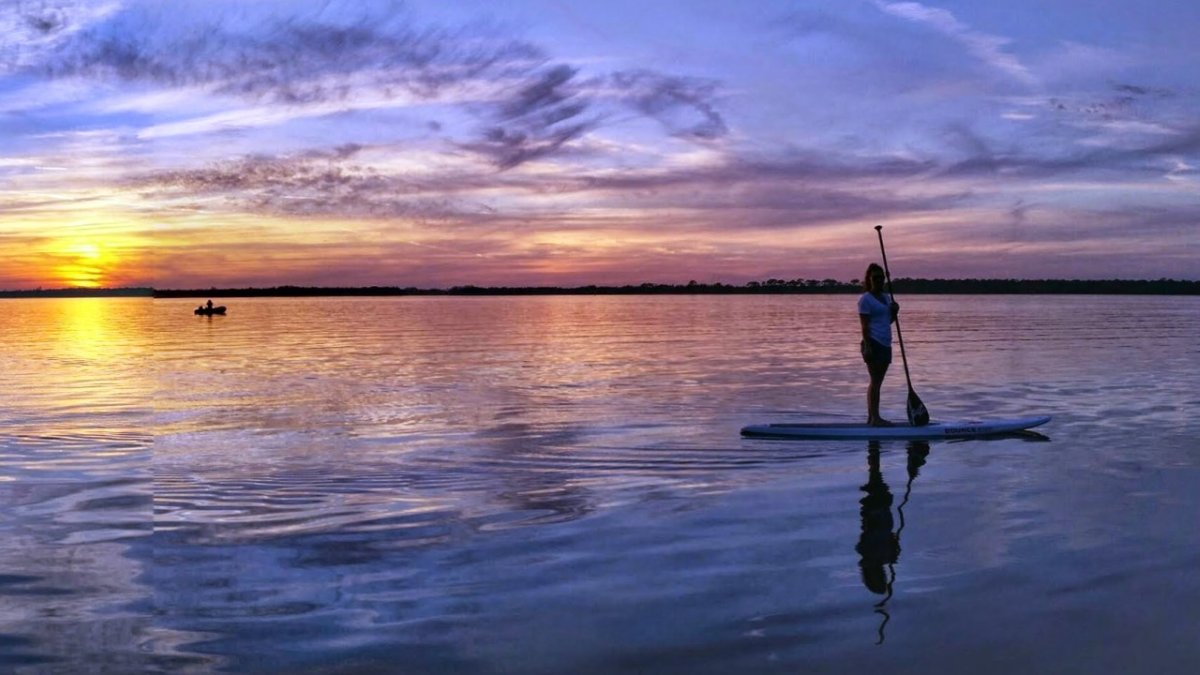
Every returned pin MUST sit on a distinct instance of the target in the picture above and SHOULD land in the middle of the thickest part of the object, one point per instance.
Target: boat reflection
(879, 543)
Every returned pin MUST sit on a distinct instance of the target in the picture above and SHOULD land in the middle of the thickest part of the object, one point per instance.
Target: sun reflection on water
(76, 365)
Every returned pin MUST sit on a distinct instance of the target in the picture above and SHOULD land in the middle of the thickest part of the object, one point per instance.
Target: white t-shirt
(879, 325)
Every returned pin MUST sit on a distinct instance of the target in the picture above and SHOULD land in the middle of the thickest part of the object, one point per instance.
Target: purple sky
(560, 143)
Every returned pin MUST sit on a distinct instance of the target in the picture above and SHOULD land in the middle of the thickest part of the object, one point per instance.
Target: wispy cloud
(685, 105)
(1071, 62)
(537, 118)
(313, 183)
(1148, 156)
(986, 47)
(347, 182)
(555, 106)
(297, 58)
(367, 55)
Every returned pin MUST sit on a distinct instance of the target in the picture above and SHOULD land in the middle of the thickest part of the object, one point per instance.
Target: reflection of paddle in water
(879, 545)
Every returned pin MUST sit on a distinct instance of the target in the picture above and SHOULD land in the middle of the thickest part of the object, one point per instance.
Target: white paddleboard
(931, 431)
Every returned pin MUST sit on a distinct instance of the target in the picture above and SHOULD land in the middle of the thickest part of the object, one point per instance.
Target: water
(557, 484)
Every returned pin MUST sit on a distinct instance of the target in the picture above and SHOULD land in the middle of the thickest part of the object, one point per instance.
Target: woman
(876, 312)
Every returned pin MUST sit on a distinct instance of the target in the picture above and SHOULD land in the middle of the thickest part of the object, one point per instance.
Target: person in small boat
(876, 312)
(209, 305)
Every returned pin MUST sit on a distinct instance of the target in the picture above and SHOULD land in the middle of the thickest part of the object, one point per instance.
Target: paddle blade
(918, 416)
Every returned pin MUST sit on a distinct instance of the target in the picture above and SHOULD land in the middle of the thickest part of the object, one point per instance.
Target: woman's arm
(895, 309)
(865, 319)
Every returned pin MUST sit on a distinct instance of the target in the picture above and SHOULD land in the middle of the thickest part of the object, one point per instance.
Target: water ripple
(491, 484)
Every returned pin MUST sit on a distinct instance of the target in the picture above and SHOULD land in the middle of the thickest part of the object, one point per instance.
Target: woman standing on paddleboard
(876, 312)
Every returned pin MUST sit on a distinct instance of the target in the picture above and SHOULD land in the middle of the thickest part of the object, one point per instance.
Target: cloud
(536, 119)
(1072, 62)
(56, 203)
(794, 167)
(301, 58)
(342, 183)
(1181, 171)
(307, 63)
(554, 106)
(31, 29)
(683, 104)
(1118, 101)
(312, 183)
(1085, 136)
(985, 47)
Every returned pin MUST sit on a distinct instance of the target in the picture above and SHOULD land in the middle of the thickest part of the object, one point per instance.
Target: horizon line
(915, 285)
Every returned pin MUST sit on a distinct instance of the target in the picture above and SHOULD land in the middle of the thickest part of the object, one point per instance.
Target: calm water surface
(548, 485)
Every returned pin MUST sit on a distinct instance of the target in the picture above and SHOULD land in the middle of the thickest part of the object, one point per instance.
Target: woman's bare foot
(880, 423)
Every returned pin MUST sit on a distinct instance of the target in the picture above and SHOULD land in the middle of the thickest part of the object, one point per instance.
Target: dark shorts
(880, 354)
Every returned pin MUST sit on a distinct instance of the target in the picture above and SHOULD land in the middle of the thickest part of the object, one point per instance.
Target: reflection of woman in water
(879, 545)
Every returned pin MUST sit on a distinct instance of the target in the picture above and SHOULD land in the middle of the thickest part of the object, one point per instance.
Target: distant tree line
(692, 287)
(81, 293)
(770, 286)
(1048, 286)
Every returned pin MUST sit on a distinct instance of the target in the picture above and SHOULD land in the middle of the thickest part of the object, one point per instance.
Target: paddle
(918, 416)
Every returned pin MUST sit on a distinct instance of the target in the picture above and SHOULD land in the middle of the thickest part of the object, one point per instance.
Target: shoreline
(771, 287)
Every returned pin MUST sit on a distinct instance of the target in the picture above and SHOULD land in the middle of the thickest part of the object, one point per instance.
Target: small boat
(209, 311)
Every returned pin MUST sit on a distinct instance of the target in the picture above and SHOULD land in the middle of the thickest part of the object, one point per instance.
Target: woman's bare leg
(877, 372)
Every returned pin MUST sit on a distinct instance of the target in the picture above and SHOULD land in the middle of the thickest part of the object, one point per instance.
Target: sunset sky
(436, 143)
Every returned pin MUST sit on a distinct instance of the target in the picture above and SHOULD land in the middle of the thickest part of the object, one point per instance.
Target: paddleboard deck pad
(931, 431)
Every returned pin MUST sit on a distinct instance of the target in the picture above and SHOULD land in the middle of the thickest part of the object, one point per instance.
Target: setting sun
(88, 251)
(83, 264)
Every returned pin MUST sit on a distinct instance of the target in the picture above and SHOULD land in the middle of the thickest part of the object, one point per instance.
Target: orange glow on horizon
(85, 266)
(107, 261)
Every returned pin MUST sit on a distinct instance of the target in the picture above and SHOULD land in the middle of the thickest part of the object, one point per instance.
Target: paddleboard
(931, 431)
